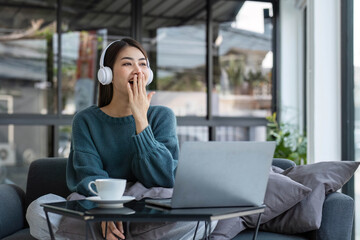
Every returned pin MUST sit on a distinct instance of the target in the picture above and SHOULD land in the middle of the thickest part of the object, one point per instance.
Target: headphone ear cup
(105, 75)
(151, 76)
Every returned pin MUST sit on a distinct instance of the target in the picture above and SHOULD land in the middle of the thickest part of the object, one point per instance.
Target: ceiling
(19, 16)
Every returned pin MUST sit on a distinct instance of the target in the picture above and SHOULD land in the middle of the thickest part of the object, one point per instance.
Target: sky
(251, 16)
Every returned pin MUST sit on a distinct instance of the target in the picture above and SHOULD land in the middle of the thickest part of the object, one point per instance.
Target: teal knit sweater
(108, 147)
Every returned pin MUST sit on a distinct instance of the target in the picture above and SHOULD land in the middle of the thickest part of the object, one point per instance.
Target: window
(174, 35)
(180, 54)
(85, 37)
(26, 61)
(243, 59)
(221, 91)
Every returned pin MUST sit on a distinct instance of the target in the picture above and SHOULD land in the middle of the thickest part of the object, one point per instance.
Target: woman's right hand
(139, 101)
(114, 231)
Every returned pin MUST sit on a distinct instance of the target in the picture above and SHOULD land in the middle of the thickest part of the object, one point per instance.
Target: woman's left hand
(112, 230)
(139, 101)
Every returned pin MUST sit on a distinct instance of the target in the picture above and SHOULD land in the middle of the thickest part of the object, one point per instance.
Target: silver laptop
(220, 174)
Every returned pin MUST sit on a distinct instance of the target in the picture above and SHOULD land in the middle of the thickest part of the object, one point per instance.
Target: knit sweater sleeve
(157, 151)
(84, 163)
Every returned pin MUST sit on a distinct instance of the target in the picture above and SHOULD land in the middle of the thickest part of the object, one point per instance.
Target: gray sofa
(48, 176)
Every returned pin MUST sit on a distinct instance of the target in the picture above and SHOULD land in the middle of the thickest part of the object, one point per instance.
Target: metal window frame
(136, 20)
(276, 81)
(347, 92)
(347, 88)
(52, 119)
(304, 70)
(210, 121)
(209, 67)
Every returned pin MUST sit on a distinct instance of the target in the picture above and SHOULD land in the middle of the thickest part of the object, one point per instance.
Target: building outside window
(47, 75)
(242, 66)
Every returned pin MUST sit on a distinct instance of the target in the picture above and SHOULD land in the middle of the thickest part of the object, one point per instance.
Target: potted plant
(290, 144)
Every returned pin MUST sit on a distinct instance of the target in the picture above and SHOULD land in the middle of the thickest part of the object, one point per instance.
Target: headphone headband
(105, 73)
(104, 52)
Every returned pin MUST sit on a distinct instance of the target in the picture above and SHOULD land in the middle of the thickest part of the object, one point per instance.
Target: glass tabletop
(140, 211)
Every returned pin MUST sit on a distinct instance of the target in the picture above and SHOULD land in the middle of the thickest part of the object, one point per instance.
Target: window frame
(210, 121)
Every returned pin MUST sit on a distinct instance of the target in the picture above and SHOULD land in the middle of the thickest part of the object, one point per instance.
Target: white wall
(291, 62)
(322, 73)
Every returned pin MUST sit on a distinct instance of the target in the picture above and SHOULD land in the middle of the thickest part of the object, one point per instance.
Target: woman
(124, 137)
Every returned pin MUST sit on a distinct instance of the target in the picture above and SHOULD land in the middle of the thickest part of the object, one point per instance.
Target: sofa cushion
(283, 163)
(332, 175)
(23, 234)
(248, 234)
(46, 176)
(11, 209)
(228, 228)
(334, 227)
(282, 193)
(303, 217)
(323, 178)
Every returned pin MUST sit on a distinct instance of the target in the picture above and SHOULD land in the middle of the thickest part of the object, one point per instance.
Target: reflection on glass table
(138, 211)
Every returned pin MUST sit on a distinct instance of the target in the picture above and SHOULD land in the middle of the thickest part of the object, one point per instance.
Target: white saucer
(110, 203)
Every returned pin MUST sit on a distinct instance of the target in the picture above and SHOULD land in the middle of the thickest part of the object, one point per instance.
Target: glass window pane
(242, 59)
(192, 133)
(79, 66)
(82, 43)
(175, 42)
(27, 83)
(19, 146)
(232, 133)
(64, 141)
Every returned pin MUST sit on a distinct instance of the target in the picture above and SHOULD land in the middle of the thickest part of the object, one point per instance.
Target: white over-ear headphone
(105, 75)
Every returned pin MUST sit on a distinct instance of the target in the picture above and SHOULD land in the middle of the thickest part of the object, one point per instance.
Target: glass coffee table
(139, 211)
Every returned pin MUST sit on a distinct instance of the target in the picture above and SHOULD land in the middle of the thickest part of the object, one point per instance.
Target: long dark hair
(106, 91)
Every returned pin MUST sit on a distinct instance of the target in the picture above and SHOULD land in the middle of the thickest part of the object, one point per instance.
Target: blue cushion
(283, 163)
(333, 226)
(11, 209)
(248, 234)
(40, 173)
(23, 234)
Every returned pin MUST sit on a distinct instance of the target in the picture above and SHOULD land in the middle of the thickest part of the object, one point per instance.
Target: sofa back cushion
(11, 209)
(283, 163)
(47, 175)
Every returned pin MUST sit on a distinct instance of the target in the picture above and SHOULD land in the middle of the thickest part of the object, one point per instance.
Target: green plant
(235, 69)
(254, 79)
(290, 144)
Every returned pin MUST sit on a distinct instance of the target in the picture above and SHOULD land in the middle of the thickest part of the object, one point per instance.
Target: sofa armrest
(283, 163)
(337, 219)
(12, 212)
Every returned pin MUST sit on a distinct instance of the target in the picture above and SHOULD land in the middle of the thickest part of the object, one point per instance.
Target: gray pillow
(323, 178)
(276, 169)
(333, 175)
(282, 193)
(228, 228)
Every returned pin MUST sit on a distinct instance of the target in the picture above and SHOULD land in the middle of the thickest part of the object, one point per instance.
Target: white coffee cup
(108, 189)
